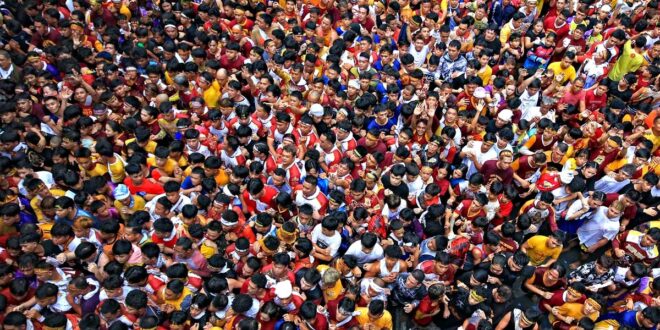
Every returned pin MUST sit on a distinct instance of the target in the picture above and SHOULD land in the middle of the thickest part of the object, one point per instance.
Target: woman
(115, 133)
(546, 280)
(535, 34)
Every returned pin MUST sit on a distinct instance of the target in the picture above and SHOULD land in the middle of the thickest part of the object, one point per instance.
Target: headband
(594, 303)
(573, 291)
(265, 248)
(474, 295)
(375, 287)
(227, 223)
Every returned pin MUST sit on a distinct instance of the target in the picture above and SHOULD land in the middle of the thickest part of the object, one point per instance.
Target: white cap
(606, 8)
(480, 93)
(283, 289)
(316, 110)
(354, 83)
(505, 115)
(121, 192)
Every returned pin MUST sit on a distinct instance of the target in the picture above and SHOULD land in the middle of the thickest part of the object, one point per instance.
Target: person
(328, 164)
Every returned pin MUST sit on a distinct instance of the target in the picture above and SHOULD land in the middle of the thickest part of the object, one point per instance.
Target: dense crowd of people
(329, 164)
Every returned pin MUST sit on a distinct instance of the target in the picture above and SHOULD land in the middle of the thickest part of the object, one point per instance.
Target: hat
(316, 110)
(121, 192)
(480, 93)
(104, 55)
(505, 115)
(354, 83)
(606, 8)
(283, 289)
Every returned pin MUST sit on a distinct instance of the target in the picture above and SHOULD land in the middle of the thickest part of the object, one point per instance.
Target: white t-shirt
(333, 242)
(362, 258)
(419, 56)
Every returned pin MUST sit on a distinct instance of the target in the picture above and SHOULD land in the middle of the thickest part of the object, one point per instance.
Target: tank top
(383, 268)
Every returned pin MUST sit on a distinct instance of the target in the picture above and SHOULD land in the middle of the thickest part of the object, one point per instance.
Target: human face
(553, 243)
(453, 52)
(411, 282)
(308, 189)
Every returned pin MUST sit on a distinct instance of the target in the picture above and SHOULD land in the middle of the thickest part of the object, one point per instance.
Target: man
(291, 165)
(630, 60)
(192, 257)
(173, 194)
(499, 169)
(648, 318)
(325, 239)
(564, 70)
(309, 193)
(543, 251)
(66, 212)
(452, 64)
(258, 197)
(8, 70)
(601, 227)
(374, 317)
(633, 246)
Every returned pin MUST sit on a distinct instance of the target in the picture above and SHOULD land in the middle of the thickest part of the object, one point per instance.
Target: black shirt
(401, 190)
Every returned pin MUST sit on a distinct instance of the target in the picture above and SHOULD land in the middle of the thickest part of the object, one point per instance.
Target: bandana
(593, 303)
(265, 248)
(376, 288)
(287, 237)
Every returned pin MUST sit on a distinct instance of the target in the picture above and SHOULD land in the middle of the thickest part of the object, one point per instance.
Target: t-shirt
(538, 250)
(333, 242)
(629, 61)
(146, 187)
(383, 322)
(569, 73)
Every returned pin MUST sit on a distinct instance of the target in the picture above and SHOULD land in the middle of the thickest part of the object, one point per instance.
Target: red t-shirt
(593, 101)
(147, 187)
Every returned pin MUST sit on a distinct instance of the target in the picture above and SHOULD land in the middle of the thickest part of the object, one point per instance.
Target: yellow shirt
(653, 138)
(485, 74)
(212, 95)
(573, 310)
(169, 167)
(569, 73)
(222, 178)
(138, 205)
(334, 292)
(538, 251)
(629, 61)
(35, 203)
(506, 31)
(150, 147)
(384, 322)
(177, 303)
(116, 170)
(98, 170)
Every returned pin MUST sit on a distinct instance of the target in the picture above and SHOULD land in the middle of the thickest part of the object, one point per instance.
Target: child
(513, 48)
(539, 55)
